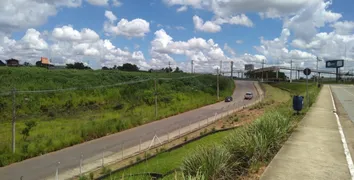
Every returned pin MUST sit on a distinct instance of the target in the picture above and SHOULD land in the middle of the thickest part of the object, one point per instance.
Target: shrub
(213, 162)
(260, 140)
(186, 139)
(83, 178)
(105, 170)
(138, 158)
(212, 130)
(91, 176)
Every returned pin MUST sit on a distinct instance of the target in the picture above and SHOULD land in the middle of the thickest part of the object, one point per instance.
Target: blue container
(298, 102)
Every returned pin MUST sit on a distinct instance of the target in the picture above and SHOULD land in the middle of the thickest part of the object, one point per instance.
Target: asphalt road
(44, 166)
(345, 94)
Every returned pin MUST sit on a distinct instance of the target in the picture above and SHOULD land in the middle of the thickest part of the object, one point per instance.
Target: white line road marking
(348, 92)
(344, 141)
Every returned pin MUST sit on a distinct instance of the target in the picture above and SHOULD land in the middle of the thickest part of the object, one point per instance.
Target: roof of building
(12, 59)
(44, 60)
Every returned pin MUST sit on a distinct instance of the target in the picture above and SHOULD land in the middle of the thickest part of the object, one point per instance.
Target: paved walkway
(314, 150)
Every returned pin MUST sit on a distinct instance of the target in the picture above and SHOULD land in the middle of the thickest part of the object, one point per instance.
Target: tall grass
(214, 162)
(241, 149)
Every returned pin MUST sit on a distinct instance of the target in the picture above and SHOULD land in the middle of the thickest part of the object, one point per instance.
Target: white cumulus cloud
(98, 2)
(208, 26)
(134, 28)
(182, 8)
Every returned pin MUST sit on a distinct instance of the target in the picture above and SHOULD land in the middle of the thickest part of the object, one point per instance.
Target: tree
(77, 65)
(128, 67)
(177, 70)
(27, 64)
(105, 68)
(39, 63)
(29, 125)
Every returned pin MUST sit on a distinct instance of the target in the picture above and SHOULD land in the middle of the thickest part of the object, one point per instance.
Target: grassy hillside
(96, 107)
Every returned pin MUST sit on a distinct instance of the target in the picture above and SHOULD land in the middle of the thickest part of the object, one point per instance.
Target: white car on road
(248, 95)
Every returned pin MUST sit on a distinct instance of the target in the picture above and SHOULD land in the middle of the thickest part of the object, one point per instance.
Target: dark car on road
(228, 99)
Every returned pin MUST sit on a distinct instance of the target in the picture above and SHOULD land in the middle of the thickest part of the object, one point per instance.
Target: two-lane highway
(45, 166)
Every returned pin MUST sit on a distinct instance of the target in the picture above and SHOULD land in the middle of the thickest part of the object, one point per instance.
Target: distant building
(12, 62)
(249, 67)
(45, 62)
(2, 63)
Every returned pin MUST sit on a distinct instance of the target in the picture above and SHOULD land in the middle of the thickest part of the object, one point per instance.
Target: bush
(260, 140)
(105, 170)
(213, 162)
(83, 178)
(186, 139)
(138, 158)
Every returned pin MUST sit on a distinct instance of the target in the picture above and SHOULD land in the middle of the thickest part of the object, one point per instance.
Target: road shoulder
(347, 124)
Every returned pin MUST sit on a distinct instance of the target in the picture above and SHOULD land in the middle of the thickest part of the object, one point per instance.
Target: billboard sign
(334, 63)
(249, 67)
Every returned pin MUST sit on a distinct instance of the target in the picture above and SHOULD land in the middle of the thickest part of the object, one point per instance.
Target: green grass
(71, 117)
(249, 146)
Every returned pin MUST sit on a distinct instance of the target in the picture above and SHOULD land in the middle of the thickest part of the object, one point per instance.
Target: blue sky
(156, 33)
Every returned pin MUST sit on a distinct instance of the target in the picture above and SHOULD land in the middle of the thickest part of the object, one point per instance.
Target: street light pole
(262, 69)
(291, 71)
(318, 74)
(217, 81)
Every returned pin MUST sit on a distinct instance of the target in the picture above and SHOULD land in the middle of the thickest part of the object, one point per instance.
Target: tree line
(133, 67)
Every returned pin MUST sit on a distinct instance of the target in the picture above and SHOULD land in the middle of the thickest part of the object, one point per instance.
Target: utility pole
(13, 120)
(318, 74)
(192, 64)
(220, 67)
(232, 69)
(156, 97)
(262, 68)
(291, 71)
(217, 81)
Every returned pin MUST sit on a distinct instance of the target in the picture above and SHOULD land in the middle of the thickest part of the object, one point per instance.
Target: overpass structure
(278, 68)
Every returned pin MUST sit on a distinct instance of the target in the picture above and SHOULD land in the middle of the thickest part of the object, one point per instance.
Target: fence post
(190, 125)
(122, 150)
(140, 144)
(13, 120)
(179, 131)
(103, 157)
(57, 172)
(168, 137)
(81, 157)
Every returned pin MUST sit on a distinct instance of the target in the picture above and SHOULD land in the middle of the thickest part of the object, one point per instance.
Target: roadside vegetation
(239, 153)
(48, 121)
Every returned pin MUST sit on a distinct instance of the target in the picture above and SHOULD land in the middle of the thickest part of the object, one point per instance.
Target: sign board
(334, 63)
(307, 71)
(249, 67)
